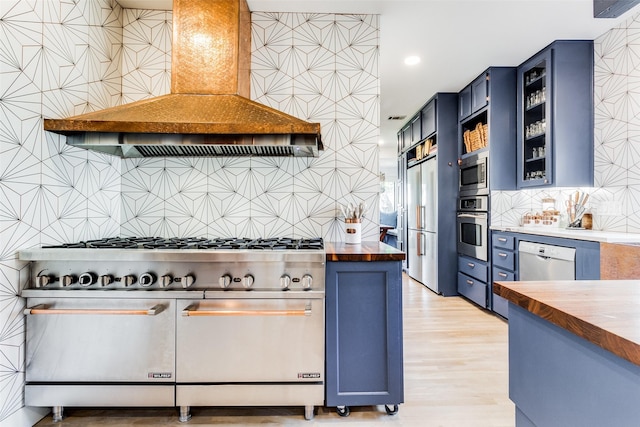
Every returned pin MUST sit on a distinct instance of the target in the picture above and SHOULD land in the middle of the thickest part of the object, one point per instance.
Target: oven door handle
(192, 310)
(472, 215)
(44, 309)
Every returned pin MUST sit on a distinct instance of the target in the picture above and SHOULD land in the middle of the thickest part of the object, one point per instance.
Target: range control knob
(165, 281)
(285, 282)
(247, 281)
(87, 279)
(187, 281)
(128, 280)
(68, 280)
(105, 280)
(307, 281)
(224, 281)
(43, 280)
(147, 279)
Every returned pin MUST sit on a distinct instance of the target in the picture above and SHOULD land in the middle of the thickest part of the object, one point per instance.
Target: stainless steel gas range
(176, 322)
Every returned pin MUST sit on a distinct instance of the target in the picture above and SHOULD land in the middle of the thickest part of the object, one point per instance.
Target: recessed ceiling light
(412, 60)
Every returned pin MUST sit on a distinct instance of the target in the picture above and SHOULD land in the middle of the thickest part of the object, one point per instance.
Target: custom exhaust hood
(208, 112)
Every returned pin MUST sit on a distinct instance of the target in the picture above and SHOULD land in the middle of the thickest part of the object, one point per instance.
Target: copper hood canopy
(208, 112)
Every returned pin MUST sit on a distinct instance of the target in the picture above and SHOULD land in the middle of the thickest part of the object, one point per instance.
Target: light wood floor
(455, 364)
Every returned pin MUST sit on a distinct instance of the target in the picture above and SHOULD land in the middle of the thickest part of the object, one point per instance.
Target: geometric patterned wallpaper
(615, 197)
(318, 67)
(59, 58)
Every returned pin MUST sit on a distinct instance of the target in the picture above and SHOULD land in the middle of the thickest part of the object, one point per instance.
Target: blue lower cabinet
(473, 289)
(473, 267)
(364, 358)
(473, 275)
(504, 257)
(505, 260)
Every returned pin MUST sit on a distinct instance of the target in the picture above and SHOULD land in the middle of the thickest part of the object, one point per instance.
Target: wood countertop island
(365, 251)
(574, 351)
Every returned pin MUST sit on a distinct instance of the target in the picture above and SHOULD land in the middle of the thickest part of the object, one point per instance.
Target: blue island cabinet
(364, 335)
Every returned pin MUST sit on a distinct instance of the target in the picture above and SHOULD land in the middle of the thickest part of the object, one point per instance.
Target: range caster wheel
(391, 410)
(343, 411)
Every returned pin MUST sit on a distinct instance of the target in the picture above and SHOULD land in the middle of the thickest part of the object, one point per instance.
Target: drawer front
(500, 306)
(500, 275)
(504, 259)
(473, 267)
(473, 289)
(503, 241)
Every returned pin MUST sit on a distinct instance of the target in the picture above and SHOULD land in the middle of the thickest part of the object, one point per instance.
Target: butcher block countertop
(365, 251)
(604, 312)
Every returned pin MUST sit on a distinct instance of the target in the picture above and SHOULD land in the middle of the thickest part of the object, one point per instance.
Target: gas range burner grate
(275, 243)
(109, 243)
(174, 243)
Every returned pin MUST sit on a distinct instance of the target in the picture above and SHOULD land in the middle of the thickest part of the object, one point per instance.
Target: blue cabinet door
(479, 93)
(428, 115)
(364, 334)
(464, 103)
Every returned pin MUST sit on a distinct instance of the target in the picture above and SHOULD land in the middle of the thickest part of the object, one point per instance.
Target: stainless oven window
(471, 234)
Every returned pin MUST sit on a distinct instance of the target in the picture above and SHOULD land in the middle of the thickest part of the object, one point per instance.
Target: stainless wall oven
(472, 229)
(473, 175)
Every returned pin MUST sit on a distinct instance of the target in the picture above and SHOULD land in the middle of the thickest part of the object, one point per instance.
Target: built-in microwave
(473, 176)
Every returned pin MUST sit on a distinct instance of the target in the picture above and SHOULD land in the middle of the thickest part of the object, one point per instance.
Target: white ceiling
(456, 39)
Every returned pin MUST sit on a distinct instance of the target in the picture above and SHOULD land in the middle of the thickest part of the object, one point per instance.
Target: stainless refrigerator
(422, 219)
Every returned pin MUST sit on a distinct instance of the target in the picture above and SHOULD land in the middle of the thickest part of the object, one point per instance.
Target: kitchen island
(364, 357)
(574, 352)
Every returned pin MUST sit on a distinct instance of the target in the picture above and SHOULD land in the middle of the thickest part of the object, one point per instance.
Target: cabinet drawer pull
(502, 254)
(471, 265)
(502, 239)
(469, 282)
(501, 274)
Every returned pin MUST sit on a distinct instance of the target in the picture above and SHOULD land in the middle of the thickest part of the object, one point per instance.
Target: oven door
(247, 340)
(473, 234)
(100, 340)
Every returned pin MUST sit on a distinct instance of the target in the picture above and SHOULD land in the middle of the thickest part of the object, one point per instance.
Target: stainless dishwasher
(546, 262)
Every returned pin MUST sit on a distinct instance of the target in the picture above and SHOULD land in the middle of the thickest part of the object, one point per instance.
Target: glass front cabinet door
(536, 157)
(555, 116)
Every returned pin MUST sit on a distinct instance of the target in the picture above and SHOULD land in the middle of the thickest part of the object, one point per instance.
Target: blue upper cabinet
(479, 92)
(473, 97)
(555, 116)
(487, 124)
(428, 115)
